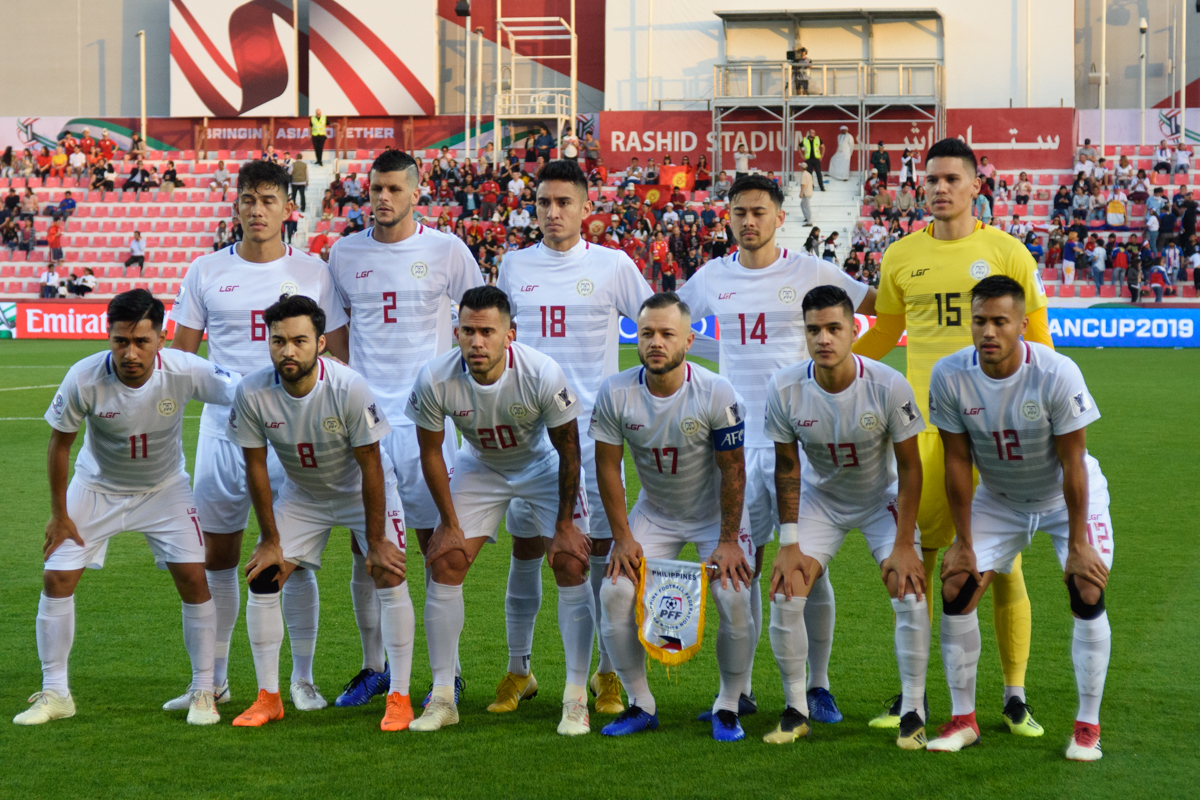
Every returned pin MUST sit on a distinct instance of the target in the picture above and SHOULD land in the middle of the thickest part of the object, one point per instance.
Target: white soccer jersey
(762, 326)
(1012, 422)
(315, 435)
(567, 304)
(847, 437)
(134, 437)
(400, 296)
(503, 424)
(225, 294)
(673, 440)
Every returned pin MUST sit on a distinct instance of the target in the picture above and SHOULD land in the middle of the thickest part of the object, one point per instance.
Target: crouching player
(1019, 412)
(129, 475)
(857, 421)
(322, 420)
(686, 429)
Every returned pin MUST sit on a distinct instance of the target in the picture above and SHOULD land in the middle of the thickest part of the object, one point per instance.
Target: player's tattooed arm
(58, 469)
(382, 556)
(565, 439)
(728, 559)
(787, 481)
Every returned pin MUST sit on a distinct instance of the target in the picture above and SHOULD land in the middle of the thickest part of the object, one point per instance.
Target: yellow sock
(1014, 623)
(931, 580)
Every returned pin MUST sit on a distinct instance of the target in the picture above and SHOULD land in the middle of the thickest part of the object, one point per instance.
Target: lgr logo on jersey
(869, 421)
(787, 295)
(419, 270)
(364, 273)
(289, 288)
(585, 287)
(108, 414)
(228, 288)
(970, 412)
(916, 273)
(1031, 411)
(725, 295)
(690, 426)
(331, 424)
(518, 411)
(980, 270)
(806, 423)
(529, 288)
(634, 426)
(274, 425)
(167, 407)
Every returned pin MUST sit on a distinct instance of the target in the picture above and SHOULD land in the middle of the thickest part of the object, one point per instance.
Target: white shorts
(482, 495)
(222, 496)
(760, 494)
(304, 523)
(166, 517)
(822, 531)
(999, 532)
(520, 521)
(658, 541)
(402, 447)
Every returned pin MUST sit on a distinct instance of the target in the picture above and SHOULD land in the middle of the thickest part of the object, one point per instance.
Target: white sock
(618, 631)
(225, 587)
(597, 565)
(301, 604)
(522, 599)
(734, 646)
(398, 628)
(789, 643)
(428, 583)
(756, 619)
(444, 613)
(912, 651)
(199, 633)
(1090, 649)
(366, 613)
(55, 634)
(819, 616)
(1014, 691)
(960, 657)
(577, 624)
(264, 623)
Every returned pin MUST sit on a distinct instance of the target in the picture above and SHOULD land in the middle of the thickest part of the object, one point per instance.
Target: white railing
(534, 102)
(843, 79)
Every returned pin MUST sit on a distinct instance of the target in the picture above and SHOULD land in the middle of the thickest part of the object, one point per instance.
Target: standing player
(516, 413)
(323, 422)
(1019, 412)
(129, 475)
(684, 426)
(857, 422)
(566, 296)
(225, 293)
(755, 295)
(923, 286)
(397, 279)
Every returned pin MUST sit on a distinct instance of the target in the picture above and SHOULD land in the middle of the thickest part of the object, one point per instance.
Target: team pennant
(670, 609)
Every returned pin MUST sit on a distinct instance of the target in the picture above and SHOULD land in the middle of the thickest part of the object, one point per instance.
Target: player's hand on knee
(266, 555)
(1086, 563)
(59, 530)
(624, 559)
(960, 559)
(569, 542)
(904, 567)
(788, 561)
(728, 561)
(445, 540)
(385, 557)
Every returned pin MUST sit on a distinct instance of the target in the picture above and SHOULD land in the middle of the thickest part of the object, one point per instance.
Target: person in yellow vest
(925, 287)
(317, 124)
(813, 150)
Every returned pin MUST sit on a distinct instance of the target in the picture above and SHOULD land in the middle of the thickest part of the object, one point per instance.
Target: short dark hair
(827, 296)
(135, 306)
(665, 300)
(564, 169)
(257, 173)
(397, 161)
(482, 298)
(953, 148)
(995, 286)
(756, 183)
(295, 305)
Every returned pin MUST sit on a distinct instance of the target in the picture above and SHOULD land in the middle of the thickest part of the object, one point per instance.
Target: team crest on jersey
(167, 407)
(1031, 411)
(787, 294)
(518, 411)
(869, 421)
(980, 270)
(289, 288)
(419, 270)
(59, 403)
(331, 424)
(909, 413)
(585, 287)
(690, 426)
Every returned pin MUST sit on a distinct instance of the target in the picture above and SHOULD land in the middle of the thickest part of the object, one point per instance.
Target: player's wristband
(789, 533)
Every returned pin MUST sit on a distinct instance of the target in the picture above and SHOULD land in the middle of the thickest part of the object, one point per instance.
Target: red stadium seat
(1049, 274)
(169, 273)
(1087, 290)
(178, 256)
(1107, 290)
(1189, 290)
(1041, 210)
(1180, 180)
(150, 272)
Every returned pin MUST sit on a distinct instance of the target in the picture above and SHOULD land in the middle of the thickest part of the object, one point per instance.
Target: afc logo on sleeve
(1080, 403)
(412, 401)
(371, 413)
(59, 404)
(233, 418)
(564, 399)
(909, 413)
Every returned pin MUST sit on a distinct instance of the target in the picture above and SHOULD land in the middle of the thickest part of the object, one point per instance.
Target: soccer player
(1019, 412)
(129, 475)
(684, 426)
(516, 413)
(225, 293)
(923, 288)
(325, 425)
(857, 422)
(397, 279)
(755, 294)
(566, 295)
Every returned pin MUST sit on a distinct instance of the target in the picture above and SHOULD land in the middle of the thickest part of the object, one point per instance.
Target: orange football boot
(399, 713)
(267, 708)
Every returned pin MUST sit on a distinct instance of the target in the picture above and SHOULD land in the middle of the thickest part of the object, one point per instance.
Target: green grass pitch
(128, 658)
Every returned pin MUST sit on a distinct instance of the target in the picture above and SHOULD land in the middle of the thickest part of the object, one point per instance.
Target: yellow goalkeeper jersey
(930, 282)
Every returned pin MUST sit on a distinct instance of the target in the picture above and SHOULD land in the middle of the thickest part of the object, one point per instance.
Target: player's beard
(762, 242)
(302, 370)
(671, 364)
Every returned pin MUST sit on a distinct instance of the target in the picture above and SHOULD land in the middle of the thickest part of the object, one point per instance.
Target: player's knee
(957, 594)
(568, 571)
(1087, 599)
(733, 606)
(265, 581)
(617, 599)
(451, 567)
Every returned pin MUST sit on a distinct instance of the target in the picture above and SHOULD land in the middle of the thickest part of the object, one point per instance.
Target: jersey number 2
(389, 305)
